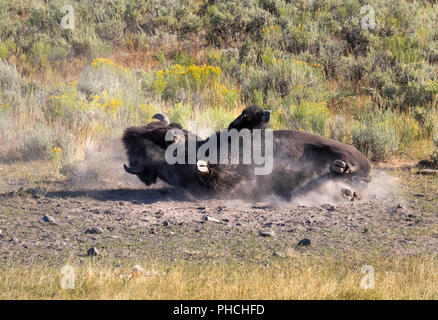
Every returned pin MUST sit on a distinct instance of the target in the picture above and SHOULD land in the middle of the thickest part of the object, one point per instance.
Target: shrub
(407, 129)
(193, 78)
(339, 127)
(10, 85)
(308, 116)
(282, 78)
(403, 86)
(427, 118)
(375, 136)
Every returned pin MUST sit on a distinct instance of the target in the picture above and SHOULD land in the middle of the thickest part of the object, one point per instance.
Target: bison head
(251, 118)
(145, 147)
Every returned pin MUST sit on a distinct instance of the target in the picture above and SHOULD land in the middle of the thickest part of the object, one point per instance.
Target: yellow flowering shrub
(192, 77)
(432, 86)
(224, 96)
(56, 154)
(108, 104)
(105, 62)
(272, 34)
(315, 65)
(3, 106)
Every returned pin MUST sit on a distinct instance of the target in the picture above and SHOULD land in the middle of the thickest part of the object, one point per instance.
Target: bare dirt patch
(397, 217)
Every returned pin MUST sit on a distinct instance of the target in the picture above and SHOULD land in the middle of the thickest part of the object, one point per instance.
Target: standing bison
(301, 161)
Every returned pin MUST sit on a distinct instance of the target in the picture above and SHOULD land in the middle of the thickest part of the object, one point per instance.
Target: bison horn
(161, 117)
(134, 170)
(202, 166)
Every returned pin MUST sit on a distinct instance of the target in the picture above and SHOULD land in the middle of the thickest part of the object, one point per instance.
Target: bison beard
(302, 161)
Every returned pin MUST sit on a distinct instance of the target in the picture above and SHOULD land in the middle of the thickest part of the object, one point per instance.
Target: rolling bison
(301, 161)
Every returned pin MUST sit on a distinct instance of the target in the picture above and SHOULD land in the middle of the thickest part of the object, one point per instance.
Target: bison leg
(314, 184)
(350, 194)
(341, 167)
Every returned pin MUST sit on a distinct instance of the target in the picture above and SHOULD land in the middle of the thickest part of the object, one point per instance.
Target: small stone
(1, 235)
(328, 207)
(226, 220)
(279, 254)
(94, 230)
(267, 233)
(165, 223)
(262, 206)
(92, 252)
(48, 218)
(211, 219)
(399, 206)
(304, 242)
(366, 230)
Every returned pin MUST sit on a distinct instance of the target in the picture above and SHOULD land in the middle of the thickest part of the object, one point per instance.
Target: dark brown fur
(300, 159)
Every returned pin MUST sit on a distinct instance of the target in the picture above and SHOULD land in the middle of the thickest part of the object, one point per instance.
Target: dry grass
(297, 277)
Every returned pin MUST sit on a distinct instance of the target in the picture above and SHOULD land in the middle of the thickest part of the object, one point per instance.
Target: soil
(135, 222)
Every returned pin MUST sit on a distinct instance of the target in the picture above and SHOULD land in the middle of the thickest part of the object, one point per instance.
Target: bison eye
(245, 114)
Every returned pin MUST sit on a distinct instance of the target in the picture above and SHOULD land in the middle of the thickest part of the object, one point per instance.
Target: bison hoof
(340, 167)
(350, 194)
(202, 166)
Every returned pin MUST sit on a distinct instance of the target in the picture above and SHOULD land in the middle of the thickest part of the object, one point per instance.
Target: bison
(301, 161)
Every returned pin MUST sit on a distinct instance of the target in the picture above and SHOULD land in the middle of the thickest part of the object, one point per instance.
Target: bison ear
(267, 114)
